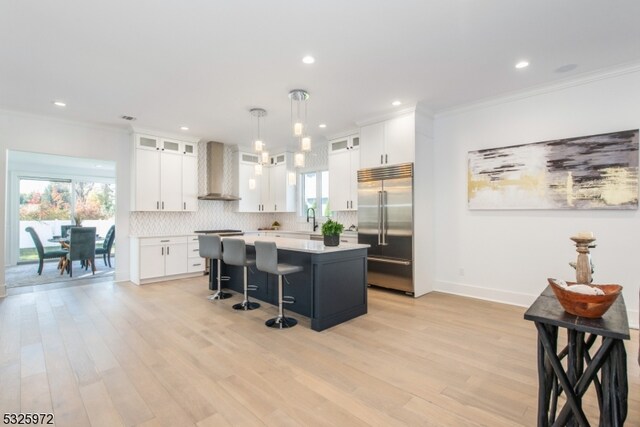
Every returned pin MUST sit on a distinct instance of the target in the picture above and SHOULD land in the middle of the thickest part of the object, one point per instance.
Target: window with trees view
(315, 193)
(46, 205)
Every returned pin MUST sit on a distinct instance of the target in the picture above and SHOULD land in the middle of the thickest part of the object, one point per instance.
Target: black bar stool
(211, 247)
(267, 261)
(235, 253)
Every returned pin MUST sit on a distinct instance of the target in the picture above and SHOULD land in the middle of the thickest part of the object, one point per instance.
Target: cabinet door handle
(157, 205)
(381, 159)
(163, 250)
(275, 207)
(163, 205)
(185, 205)
(167, 250)
(386, 158)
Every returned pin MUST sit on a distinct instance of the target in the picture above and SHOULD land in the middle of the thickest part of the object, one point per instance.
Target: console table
(609, 360)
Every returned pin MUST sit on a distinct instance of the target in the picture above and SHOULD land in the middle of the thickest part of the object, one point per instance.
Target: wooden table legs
(611, 388)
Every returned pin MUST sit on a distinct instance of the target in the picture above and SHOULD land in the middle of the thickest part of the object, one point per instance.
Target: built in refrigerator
(385, 222)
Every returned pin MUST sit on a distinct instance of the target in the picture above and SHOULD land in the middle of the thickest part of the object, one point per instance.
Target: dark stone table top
(547, 309)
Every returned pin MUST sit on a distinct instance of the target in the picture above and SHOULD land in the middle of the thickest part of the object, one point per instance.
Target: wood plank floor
(117, 354)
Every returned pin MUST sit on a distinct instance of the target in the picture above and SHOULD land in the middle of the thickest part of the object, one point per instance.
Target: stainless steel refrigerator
(385, 221)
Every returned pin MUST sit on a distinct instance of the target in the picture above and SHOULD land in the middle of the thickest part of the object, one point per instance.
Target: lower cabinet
(155, 259)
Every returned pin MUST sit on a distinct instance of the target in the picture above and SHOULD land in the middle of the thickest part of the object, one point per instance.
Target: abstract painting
(587, 172)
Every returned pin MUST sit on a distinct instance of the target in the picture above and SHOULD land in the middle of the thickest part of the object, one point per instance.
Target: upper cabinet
(164, 174)
(344, 162)
(388, 143)
(268, 192)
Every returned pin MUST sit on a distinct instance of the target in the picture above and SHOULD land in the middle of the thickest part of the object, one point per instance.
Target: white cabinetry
(344, 162)
(388, 143)
(164, 258)
(164, 174)
(268, 192)
(195, 264)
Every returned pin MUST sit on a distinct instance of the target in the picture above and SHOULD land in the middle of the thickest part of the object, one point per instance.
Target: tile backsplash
(213, 214)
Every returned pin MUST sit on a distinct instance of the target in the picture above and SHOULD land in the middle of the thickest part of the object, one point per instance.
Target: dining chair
(42, 254)
(105, 250)
(82, 247)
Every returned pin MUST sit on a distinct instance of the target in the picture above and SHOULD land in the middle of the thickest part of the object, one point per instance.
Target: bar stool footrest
(288, 299)
(252, 287)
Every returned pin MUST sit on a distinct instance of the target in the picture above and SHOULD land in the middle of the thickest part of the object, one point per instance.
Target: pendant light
(298, 160)
(298, 98)
(258, 144)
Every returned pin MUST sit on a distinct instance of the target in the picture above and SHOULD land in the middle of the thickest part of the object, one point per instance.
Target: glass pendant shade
(297, 129)
(258, 169)
(264, 158)
(258, 145)
(298, 160)
(291, 178)
(305, 144)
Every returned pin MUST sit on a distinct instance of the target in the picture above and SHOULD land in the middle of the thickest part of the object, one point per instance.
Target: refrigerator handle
(385, 226)
(379, 217)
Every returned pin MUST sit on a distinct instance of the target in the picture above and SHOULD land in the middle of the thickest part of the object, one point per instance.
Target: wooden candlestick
(583, 263)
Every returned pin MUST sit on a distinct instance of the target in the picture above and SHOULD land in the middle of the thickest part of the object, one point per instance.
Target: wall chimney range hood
(215, 174)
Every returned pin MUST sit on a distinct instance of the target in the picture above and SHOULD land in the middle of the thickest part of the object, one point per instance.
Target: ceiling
(205, 63)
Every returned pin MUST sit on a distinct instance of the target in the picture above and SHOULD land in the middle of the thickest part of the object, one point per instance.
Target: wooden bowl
(591, 306)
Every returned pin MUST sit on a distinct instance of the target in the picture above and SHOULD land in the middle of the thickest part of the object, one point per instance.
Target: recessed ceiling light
(59, 104)
(308, 59)
(322, 125)
(184, 128)
(396, 103)
(522, 64)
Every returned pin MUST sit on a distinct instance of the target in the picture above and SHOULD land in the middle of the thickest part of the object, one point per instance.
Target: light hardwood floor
(117, 354)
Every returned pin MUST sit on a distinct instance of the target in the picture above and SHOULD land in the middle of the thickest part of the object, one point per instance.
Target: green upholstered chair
(42, 254)
(105, 249)
(82, 247)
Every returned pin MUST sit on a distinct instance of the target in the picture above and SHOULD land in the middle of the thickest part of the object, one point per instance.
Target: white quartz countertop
(299, 245)
(309, 232)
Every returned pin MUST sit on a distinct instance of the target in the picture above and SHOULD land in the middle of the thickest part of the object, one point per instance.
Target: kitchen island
(330, 290)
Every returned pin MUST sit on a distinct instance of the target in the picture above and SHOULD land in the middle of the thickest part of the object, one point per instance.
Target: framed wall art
(587, 172)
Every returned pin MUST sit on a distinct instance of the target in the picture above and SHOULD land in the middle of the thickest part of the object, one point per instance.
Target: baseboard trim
(505, 297)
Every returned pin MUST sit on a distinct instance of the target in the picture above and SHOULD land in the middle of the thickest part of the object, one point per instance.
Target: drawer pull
(164, 241)
(196, 265)
(196, 250)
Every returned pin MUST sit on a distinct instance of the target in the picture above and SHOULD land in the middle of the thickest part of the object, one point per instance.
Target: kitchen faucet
(315, 226)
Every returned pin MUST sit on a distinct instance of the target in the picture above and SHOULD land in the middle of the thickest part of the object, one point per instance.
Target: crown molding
(579, 80)
(158, 133)
(418, 108)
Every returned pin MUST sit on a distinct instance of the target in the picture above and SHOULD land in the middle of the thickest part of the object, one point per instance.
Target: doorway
(47, 195)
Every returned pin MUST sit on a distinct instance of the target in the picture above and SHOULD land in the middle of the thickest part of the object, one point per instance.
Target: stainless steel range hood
(215, 174)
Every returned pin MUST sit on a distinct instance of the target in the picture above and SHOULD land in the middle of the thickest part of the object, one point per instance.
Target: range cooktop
(221, 232)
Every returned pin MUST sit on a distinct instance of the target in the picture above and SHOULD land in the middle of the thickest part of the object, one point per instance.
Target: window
(48, 204)
(315, 193)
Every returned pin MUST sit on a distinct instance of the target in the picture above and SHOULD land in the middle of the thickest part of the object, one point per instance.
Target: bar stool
(211, 247)
(235, 253)
(267, 261)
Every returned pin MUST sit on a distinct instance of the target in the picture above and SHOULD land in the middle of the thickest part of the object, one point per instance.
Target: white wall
(507, 255)
(48, 135)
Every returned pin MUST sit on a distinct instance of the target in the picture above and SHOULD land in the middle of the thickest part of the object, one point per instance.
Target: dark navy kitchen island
(331, 289)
